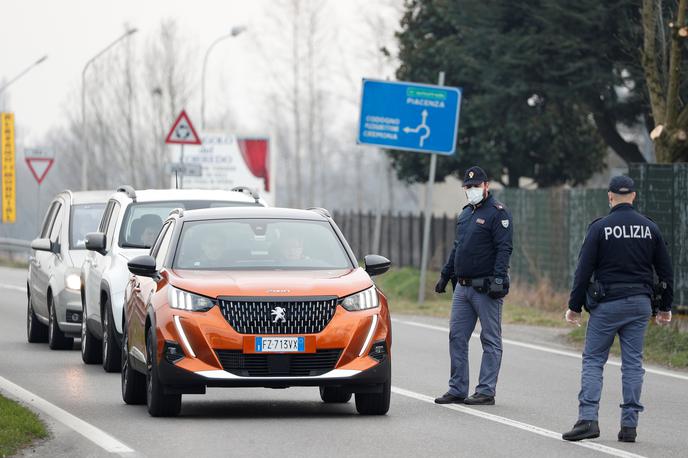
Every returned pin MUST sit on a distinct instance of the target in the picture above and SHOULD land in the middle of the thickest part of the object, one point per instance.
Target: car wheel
(35, 330)
(133, 382)
(112, 359)
(334, 394)
(375, 403)
(56, 338)
(91, 350)
(159, 403)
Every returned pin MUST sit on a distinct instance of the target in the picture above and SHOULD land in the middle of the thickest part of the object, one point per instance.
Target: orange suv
(254, 297)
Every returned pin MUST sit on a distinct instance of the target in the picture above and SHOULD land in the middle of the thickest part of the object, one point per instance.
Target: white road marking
(13, 287)
(529, 346)
(90, 432)
(515, 424)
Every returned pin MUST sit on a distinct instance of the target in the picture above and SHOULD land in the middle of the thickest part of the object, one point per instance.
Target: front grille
(278, 365)
(307, 315)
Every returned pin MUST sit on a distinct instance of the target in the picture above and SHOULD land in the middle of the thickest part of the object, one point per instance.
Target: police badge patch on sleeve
(505, 223)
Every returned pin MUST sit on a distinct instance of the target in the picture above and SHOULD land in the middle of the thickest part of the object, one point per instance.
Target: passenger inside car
(144, 229)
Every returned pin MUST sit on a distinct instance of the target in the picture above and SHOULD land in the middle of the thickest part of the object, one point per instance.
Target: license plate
(280, 344)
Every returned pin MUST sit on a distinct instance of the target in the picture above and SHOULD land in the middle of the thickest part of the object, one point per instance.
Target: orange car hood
(339, 283)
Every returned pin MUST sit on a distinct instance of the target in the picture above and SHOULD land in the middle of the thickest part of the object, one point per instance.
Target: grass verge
(9, 262)
(18, 427)
(665, 345)
(537, 306)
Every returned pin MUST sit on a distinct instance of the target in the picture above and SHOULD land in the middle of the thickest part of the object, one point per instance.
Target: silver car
(54, 309)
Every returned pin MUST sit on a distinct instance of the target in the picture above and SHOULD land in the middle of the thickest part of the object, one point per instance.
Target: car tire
(375, 403)
(334, 395)
(56, 338)
(133, 382)
(36, 332)
(91, 349)
(159, 403)
(111, 352)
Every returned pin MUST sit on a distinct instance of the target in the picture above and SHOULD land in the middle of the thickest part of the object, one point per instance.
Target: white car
(128, 228)
(54, 304)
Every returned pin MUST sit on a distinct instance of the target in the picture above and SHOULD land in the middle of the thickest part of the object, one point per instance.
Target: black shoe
(627, 434)
(583, 429)
(479, 399)
(448, 398)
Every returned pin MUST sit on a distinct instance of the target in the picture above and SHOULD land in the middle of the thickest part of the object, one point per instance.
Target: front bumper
(202, 334)
(69, 311)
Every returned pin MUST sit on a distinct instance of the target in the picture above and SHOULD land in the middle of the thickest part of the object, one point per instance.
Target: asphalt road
(536, 400)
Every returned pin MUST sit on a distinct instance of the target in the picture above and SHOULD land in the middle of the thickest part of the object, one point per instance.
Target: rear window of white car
(142, 221)
(84, 218)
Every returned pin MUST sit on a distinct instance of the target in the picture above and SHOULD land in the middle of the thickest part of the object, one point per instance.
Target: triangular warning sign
(183, 132)
(39, 166)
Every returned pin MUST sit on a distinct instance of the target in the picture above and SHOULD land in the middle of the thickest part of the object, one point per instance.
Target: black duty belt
(464, 281)
(617, 286)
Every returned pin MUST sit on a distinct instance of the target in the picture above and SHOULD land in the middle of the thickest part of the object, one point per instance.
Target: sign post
(39, 162)
(9, 179)
(182, 133)
(412, 117)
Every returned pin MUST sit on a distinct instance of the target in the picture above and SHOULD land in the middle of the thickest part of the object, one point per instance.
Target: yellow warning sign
(9, 183)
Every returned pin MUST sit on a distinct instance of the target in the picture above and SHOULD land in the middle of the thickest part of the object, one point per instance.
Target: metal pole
(84, 160)
(428, 215)
(23, 73)
(181, 175)
(235, 31)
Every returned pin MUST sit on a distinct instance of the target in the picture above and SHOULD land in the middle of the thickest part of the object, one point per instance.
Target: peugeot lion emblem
(280, 315)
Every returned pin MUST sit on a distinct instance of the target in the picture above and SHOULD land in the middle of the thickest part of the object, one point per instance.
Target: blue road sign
(409, 116)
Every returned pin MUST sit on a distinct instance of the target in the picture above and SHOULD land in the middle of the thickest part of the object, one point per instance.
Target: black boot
(583, 429)
(479, 399)
(627, 434)
(448, 398)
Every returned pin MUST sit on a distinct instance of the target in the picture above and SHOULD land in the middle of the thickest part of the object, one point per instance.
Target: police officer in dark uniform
(614, 281)
(478, 268)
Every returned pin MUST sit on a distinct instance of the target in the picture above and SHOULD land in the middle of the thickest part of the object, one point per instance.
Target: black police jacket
(483, 242)
(621, 249)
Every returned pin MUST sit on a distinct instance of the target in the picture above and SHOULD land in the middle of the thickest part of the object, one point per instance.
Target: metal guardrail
(15, 251)
(15, 244)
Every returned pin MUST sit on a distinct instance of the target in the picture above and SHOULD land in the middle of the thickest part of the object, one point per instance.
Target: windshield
(142, 221)
(260, 244)
(83, 219)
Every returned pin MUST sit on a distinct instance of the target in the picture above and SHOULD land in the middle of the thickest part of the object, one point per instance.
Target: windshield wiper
(133, 245)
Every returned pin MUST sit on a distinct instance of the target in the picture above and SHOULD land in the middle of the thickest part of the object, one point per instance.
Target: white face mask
(475, 195)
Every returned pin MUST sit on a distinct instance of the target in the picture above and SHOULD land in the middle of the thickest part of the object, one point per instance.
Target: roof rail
(177, 211)
(69, 191)
(246, 190)
(321, 211)
(128, 190)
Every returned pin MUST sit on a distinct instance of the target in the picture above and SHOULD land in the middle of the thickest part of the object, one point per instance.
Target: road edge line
(515, 424)
(552, 351)
(87, 430)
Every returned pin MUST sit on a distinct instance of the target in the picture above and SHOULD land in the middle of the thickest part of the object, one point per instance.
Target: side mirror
(376, 264)
(144, 266)
(42, 245)
(95, 241)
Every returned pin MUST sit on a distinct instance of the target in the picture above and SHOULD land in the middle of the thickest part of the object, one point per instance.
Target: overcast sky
(72, 31)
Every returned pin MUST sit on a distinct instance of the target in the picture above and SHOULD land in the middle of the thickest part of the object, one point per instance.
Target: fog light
(74, 316)
(173, 351)
(378, 350)
(73, 282)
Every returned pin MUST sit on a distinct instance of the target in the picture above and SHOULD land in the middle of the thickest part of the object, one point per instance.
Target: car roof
(89, 197)
(251, 212)
(162, 195)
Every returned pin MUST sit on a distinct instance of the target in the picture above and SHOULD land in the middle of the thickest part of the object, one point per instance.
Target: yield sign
(39, 166)
(183, 132)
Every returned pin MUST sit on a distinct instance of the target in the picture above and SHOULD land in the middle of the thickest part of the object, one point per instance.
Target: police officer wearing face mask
(614, 280)
(479, 263)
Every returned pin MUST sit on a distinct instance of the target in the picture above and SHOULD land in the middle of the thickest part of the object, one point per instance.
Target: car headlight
(364, 300)
(73, 281)
(184, 300)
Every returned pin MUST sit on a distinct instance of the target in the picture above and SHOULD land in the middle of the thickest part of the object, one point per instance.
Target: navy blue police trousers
(627, 318)
(468, 306)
